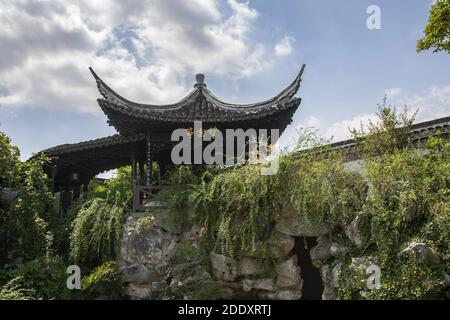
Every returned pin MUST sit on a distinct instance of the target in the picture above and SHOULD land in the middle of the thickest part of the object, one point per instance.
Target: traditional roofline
(113, 97)
(113, 140)
(200, 104)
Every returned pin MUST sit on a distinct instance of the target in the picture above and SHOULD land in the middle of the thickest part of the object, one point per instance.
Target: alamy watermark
(74, 280)
(198, 146)
(374, 20)
(374, 280)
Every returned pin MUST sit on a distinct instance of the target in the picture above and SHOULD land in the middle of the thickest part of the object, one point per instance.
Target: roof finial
(200, 78)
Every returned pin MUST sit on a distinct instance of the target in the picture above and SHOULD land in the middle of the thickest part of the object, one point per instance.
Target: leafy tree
(389, 134)
(23, 232)
(437, 31)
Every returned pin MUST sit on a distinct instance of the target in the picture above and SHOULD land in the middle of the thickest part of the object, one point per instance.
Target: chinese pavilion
(144, 133)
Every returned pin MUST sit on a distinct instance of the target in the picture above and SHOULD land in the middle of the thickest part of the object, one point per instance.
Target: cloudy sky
(149, 51)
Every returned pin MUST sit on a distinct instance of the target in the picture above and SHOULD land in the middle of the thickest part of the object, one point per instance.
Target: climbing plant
(96, 233)
(407, 201)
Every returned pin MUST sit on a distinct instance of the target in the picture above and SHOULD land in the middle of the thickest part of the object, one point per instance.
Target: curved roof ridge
(93, 143)
(288, 92)
(113, 97)
(109, 94)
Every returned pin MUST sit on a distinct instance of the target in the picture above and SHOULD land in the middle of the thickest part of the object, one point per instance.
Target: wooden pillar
(141, 173)
(149, 160)
(133, 168)
(85, 187)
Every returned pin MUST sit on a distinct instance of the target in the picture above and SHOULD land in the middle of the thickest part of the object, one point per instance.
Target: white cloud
(341, 130)
(310, 122)
(433, 103)
(143, 49)
(284, 47)
(393, 92)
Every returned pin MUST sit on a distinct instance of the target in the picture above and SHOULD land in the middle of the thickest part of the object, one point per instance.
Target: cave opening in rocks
(312, 281)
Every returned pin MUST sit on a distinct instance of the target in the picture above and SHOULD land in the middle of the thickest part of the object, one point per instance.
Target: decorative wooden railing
(144, 196)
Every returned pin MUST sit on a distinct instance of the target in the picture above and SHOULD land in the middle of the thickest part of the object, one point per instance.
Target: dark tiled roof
(199, 105)
(114, 140)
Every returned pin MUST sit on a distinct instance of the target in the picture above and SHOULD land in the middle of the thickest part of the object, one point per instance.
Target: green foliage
(437, 31)
(191, 262)
(117, 191)
(406, 191)
(46, 276)
(208, 291)
(437, 229)
(13, 290)
(237, 208)
(61, 227)
(176, 196)
(23, 232)
(103, 282)
(96, 233)
(407, 200)
(145, 224)
(389, 134)
(402, 279)
(322, 190)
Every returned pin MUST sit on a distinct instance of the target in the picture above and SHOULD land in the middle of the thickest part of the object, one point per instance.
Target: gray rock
(321, 252)
(222, 267)
(153, 246)
(138, 292)
(158, 286)
(325, 250)
(190, 235)
(288, 273)
(143, 257)
(447, 279)
(293, 294)
(137, 273)
(289, 294)
(231, 290)
(294, 225)
(424, 254)
(257, 284)
(249, 267)
(329, 280)
(279, 245)
(337, 249)
(353, 232)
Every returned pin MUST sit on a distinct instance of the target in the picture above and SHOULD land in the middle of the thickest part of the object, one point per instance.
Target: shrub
(46, 276)
(103, 282)
(407, 200)
(23, 232)
(13, 290)
(176, 196)
(96, 234)
(144, 224)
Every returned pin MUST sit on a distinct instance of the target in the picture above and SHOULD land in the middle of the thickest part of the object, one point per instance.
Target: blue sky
(149, 51)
